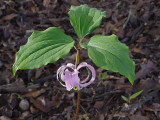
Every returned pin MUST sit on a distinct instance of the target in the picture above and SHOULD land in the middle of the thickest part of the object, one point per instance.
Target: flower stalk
(78, 103)
(76, 64)
(77, 56)
(68, 76)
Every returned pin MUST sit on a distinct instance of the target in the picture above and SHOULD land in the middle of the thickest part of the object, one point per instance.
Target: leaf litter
(135, 22)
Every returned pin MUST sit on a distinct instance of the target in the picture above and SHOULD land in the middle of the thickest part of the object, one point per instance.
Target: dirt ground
(37, 95)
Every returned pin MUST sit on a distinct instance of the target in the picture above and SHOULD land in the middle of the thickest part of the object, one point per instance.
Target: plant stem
(78, 97)
(77, 56)
(78, 102)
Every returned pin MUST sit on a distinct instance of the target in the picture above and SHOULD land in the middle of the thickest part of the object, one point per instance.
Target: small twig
(128, 18)
(107, 4)
(27, 14)
(16, 88)
(54, 20)
(83, 109)
(107, 93)
(42, 80)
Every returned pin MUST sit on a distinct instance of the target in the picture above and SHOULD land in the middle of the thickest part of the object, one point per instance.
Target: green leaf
(104, 75)
(125, 99)
(20, 97)
(85, 20)
(135, 94)
(110, 54)
(43, 48)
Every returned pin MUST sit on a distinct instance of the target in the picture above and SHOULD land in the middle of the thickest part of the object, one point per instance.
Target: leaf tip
(131, 79)
(14, 69)
(103, 13)
(14, 72)
(132, 82)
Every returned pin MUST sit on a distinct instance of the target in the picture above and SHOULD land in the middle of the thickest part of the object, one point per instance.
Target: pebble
(24, 104)
(4, 118)
(33, 110)
(25, 115)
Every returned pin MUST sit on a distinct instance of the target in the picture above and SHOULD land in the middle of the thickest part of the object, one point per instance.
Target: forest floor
(37, 95)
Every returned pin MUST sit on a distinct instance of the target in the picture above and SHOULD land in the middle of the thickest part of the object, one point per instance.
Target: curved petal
(71, 79)
(68, 80)
(60, 72)
(86, 79)
(84, 64)
(62, 68)
(70, 65)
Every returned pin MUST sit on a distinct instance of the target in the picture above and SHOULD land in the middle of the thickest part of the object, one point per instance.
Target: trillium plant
(48, 46)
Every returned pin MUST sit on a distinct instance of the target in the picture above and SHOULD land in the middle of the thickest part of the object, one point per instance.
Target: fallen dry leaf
(9, 17)
(146, 68)
(74, 2)
(141, 40)
(124, 87)
(38, 104)
(109, 27)
(101, 117)
(138, 117)
(99, 31)
(34, 93)
(99, 104)
(156, 108)
(137, 50)
(46, 3)
(120, 33)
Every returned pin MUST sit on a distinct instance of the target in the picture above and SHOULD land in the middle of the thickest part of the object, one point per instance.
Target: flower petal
(76, 79)
(70, 65)
(63, 67)
(86, 79)
(71, 79)
(84, 64)
(61, 70)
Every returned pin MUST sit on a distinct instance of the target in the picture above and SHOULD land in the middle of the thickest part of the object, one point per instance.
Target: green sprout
(20, 97)
(131, 97)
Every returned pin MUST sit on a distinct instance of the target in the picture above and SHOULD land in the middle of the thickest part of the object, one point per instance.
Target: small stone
(25, 114)
(24, 104)
(4, 118)
(33, 110)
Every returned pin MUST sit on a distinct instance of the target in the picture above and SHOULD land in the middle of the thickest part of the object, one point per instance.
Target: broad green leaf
(43, 48)
(109, 53)
(85, 20)
(125, 99)
(135, 94)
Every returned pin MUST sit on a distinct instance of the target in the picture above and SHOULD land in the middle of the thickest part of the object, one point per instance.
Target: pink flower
(67, 75)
